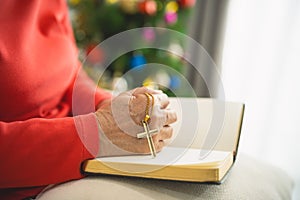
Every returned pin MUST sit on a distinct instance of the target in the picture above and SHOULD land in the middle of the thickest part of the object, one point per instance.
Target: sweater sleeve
(39, 151)
(83, 96)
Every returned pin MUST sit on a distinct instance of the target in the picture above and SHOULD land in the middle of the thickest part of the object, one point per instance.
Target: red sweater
(39, 143)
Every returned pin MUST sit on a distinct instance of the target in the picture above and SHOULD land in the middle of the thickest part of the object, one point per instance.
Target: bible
(203, 148)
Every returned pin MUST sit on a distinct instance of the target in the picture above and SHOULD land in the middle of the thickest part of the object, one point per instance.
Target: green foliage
(95, 20)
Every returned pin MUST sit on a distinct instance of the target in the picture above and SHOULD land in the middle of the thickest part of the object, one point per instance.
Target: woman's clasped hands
(120, 120)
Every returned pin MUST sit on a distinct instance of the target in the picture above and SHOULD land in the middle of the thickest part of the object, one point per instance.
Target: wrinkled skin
(120, 122)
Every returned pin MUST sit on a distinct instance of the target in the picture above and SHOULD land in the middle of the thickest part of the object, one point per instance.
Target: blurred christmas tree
(97, 20)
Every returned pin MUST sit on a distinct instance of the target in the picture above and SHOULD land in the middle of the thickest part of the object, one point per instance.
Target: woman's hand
(120, 122)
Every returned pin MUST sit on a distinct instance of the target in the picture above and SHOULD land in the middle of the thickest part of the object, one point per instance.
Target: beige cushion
(248, 179)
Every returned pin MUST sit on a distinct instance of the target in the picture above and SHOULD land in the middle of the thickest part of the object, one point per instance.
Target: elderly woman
(42, 141)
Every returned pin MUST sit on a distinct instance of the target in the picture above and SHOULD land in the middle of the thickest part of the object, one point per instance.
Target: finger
(134, 145)
(159, 145)
(162, 100)
(171, 116)
(142, 146)
(165, 133)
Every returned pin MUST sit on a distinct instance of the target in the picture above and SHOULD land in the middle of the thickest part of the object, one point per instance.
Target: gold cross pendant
(148, 134)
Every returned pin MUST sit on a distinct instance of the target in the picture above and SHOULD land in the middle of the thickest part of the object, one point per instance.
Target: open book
(203, 148)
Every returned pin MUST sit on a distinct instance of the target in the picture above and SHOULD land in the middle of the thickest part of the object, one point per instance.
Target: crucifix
(148, 133)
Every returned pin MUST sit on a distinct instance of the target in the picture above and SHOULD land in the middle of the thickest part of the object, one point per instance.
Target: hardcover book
(203, 148)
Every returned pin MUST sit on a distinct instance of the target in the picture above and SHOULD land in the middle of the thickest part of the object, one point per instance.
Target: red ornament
(187, 3)
(148, 7)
